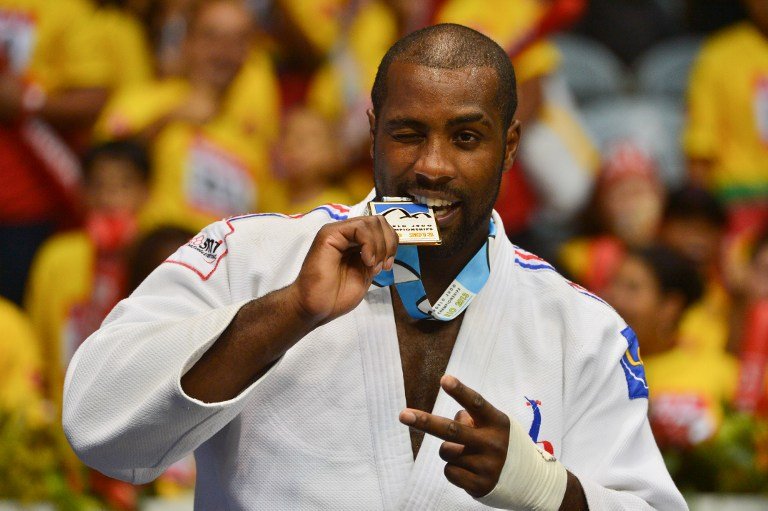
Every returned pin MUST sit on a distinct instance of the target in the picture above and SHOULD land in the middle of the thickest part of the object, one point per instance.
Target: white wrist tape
(531, 479)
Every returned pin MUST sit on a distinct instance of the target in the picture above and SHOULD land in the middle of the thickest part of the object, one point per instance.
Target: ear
(512, 143)
(371, 127)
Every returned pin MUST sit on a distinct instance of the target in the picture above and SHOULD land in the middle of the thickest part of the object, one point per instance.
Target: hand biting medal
(414, 223)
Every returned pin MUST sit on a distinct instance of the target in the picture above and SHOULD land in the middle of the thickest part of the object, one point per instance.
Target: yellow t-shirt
(20, 391)
(53, 43)
(728, 112)
(506, 22)
(687, 391)
(318, 21)
(60, 279)
(124, 42)
(203, 173)
(345, 81)
(704, 326)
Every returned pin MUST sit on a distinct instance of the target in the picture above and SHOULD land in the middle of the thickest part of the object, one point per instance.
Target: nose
(433, 166)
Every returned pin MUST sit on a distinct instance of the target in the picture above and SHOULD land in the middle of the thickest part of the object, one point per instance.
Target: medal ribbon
(405, 275)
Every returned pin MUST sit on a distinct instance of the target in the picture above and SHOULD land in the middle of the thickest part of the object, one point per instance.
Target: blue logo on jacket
(633, 367)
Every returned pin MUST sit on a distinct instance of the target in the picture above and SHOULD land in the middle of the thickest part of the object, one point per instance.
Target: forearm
(574, 498)
(259, 334)
(75, 107)
(123, 405)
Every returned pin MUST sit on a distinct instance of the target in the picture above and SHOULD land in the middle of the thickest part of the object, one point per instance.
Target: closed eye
(407, 137)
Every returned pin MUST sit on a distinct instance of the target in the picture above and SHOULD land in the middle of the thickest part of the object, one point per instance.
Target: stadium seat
(591, 69)
(664, 69)
(653, 123)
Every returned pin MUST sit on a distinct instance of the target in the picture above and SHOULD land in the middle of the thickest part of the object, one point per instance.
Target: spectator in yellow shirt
(123, 40)
(78, 276)
(53, 81)
(726, 138)
(347, 39)
(28, 457)
(207, 131)
(694, 224)
(308, 159)
(651, 290)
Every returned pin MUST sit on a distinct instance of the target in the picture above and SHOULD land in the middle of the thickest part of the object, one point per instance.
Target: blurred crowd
(128, 125)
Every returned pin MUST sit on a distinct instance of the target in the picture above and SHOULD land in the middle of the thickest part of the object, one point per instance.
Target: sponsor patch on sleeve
(634, 370)
(203, 253)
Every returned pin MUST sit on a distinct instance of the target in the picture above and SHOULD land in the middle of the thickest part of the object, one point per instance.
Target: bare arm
(335, 276)
(67, 108)
(261, 332)
(574, 499)
(74, 107)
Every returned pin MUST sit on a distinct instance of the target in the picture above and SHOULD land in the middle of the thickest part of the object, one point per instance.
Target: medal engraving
(414, 223)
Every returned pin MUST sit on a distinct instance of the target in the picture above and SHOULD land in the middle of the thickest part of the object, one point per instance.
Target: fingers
(441, 427)
(481, 411)
(450, 451)
(475, 485)
(372, 236)
(464, 417)
(391, 242)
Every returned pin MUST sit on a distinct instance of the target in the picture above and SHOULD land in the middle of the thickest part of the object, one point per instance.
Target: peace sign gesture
(476, 440)
(493, 459)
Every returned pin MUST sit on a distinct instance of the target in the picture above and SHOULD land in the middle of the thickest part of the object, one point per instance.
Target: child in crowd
(207, 130)
(651, 290)
(308, 161)
(78, 276)
(624, 212)
(694, 225)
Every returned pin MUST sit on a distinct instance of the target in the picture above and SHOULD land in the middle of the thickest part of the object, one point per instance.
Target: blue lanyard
(406, 277)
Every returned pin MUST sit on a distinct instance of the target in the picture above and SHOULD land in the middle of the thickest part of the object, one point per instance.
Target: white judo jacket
(320, 429)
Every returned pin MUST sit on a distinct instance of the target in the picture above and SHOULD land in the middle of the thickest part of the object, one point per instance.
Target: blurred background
(128, 125)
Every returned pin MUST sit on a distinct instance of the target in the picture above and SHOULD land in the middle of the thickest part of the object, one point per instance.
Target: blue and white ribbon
(405, 275)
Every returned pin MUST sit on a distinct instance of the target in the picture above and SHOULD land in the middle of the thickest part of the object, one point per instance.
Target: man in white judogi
(290, 354)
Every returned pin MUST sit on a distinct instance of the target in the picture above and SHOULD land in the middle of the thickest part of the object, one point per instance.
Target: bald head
(450, 46)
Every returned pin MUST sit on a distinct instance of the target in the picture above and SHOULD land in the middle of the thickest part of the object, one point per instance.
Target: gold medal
(414, 223)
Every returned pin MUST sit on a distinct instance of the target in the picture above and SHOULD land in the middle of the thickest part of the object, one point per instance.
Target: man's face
(440, 140)
(218, 43)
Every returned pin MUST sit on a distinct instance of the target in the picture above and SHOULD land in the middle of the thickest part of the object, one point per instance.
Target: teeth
(433, 203)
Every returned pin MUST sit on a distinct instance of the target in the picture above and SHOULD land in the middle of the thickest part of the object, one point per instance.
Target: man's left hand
(476, 440)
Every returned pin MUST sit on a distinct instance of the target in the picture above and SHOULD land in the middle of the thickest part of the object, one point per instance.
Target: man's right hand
(336, 274)
(341, 265)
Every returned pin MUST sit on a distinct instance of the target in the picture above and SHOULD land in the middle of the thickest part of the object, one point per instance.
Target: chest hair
(425, 348)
